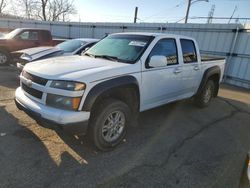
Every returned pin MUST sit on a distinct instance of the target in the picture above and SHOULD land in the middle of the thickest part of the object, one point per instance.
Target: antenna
(211, 14)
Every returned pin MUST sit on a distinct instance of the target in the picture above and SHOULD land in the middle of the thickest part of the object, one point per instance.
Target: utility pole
(190, 2)
(211, 14)
(187, 13)
(135, 17)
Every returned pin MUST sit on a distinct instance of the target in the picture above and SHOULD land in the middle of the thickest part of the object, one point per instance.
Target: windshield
(124, 48)
(71, 45)
(12, 34)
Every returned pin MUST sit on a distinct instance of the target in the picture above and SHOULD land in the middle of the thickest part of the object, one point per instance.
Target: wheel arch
(212, 73)
(124, 88)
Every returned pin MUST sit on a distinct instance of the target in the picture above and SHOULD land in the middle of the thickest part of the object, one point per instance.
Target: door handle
(177, 71)
(196, 68)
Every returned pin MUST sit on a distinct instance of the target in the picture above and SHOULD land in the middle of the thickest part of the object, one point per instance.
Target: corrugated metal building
(230, 40)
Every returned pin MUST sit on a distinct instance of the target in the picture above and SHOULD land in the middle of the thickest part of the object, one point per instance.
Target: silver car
(69, 47)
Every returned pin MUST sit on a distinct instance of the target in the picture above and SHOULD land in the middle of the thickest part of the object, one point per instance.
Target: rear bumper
(74, 122)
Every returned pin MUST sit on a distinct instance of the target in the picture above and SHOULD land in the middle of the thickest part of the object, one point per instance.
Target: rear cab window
(189, 51)
(166, 47)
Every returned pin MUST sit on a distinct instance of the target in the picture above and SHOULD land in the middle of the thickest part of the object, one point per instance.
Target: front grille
(33, 78)
(33, 92)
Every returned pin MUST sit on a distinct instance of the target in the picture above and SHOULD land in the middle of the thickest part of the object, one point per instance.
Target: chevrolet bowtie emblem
(29, 83)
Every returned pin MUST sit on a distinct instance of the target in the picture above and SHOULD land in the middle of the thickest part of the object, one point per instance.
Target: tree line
(47, 10)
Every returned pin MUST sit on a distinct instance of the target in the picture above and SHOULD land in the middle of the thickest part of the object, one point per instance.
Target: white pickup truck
(102, 92)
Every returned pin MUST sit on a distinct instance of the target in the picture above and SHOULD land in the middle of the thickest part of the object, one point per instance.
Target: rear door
(191, 67)
(161, 84)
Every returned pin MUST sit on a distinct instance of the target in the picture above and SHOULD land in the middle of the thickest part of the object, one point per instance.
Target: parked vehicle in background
(2, 35)
(69, 47)
(24, 38)
(102, 92)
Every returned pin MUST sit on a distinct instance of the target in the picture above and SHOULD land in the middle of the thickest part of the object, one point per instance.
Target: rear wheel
(4, 58)
(207, 93)
(108, 124)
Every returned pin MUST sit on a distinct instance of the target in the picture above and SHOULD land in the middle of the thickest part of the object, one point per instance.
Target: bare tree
(55, 10)
(47, 10)
(2, 5)
(26, 8)
(61, 8)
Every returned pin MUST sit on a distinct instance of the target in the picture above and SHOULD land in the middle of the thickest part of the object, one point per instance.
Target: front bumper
(73, 121)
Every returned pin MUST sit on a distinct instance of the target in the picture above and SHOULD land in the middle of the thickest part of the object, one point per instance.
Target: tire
(204, 98)
(108, 124)
(4, 58)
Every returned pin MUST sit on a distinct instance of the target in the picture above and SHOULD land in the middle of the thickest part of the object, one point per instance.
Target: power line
(159, 13)
(221, 18)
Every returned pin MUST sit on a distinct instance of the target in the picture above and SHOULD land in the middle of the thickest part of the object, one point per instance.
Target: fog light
(62, 102)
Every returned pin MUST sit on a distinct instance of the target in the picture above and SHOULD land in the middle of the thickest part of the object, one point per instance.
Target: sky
(156, 10)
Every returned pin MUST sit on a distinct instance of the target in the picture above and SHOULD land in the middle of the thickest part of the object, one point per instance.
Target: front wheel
(207, 93)
(108, 124)
(4, 58)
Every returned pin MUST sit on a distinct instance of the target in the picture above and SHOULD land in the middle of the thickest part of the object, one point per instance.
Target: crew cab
(102, 92)
(22, 38)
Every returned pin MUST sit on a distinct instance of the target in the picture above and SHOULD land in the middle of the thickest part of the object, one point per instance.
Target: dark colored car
(23, 38)
(69, 47)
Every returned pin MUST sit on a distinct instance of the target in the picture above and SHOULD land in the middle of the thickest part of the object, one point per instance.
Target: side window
(24, 35)
(166, 48)
(28, 35)
(189, 51)
(33, 35)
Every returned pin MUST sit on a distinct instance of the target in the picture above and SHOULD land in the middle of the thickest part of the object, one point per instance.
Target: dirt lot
(177, 145)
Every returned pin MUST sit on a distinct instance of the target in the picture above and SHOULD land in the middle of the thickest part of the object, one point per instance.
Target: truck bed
(209, 57)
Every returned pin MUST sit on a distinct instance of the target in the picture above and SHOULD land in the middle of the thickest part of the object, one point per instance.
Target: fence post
(232, 47)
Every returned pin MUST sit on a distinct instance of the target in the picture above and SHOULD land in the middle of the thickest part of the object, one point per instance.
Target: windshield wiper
(90, 55)
(112, 58)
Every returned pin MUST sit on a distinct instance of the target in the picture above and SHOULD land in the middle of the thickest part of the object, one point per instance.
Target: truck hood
(70, 67)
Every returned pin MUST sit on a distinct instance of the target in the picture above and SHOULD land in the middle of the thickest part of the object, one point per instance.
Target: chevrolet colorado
(103, 91)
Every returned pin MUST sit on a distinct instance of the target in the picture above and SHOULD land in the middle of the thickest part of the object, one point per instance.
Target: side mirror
(158, 61)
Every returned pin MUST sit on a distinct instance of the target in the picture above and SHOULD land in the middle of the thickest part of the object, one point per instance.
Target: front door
(161, 85)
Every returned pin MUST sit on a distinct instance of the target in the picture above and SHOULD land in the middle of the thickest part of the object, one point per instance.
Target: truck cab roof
(154, 34)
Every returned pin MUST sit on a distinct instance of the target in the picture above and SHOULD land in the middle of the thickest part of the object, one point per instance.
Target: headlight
(62, 102)
(68, 85)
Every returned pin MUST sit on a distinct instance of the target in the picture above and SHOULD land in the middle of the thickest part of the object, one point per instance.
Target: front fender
(109, 85)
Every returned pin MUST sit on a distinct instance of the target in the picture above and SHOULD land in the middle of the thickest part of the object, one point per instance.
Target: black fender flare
(106, 86)
(207, 74)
